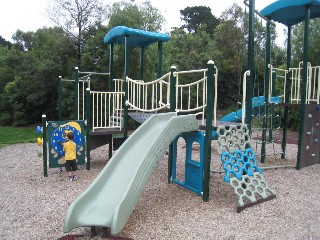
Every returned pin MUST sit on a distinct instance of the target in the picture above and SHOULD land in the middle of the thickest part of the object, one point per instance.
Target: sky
(31, 15)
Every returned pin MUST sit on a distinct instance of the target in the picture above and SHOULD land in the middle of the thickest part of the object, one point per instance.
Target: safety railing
(107, 111)
(277, 84)
(278, 78)
(192, 97)
(312, 85)
(148, 96)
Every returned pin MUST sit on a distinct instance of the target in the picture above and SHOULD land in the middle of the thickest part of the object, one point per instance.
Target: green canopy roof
(291, 12)
(136, 37)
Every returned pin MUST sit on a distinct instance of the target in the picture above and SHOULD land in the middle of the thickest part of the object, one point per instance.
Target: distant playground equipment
(113, 206)
(57, 135)
(39, 141)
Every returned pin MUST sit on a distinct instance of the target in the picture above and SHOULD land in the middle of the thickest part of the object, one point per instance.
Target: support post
(44, 145)
(172, 109)
(286, 100)
(88, 127)
(207, 144)
(273, 80)
(304, 84)
(125, 107)
(250, 65)
(59, 96)
(76, 94)
(111, 73)
(141, 62)
(159, 72)
(266, 92)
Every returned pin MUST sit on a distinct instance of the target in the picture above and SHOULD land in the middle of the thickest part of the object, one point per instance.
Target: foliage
(198, 16)
(34, 65)
(314, 43)
(5, 43)
(76, 17)
(29, 68)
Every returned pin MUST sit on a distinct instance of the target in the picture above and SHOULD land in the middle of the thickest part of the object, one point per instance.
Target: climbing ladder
(240, 166)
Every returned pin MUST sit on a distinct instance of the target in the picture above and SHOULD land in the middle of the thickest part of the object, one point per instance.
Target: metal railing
(278, 86)
(148, 96)
(107, 111)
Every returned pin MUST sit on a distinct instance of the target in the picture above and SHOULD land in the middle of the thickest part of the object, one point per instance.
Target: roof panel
(137, 38)
(291, 12)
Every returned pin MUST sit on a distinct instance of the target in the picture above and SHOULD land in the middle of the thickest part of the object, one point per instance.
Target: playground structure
(106, 114)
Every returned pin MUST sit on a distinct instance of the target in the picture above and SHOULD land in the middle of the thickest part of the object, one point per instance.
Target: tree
(5, 43)
(197, 16)
(77, 16)
(314, 42)
(141, 16)
(30, 79)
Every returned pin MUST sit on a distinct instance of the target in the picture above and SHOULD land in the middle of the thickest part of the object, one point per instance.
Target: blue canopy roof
(291, 12)
(137, 38)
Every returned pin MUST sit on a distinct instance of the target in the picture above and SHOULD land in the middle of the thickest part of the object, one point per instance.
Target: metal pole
(59, 96)
(304, 84)
(111, 74)
(44, 145)
(88, 127)
(76, 98)
(266, 92)
(141, 62)
(286, 100)
(159, 72)
(250, 65)
(273, 79)
(125, 107)
(172, 109)
(207, 144)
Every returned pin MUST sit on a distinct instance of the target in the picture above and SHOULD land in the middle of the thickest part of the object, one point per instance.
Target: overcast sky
(31, 15)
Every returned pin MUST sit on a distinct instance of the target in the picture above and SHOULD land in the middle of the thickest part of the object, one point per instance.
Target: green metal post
(76, 94)
(273, 79)
(125, 107)
(172, 109)
(88, 127)
(250, 65)
(141, 68)
(141, 62)
(286, 100)
(207, 144)
(44, 145)
(59, 96)
(304, 84)
(111, 72)
(159, 72)
(266, 92)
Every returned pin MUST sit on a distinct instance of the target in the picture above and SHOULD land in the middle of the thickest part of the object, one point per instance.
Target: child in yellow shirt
(70, 149)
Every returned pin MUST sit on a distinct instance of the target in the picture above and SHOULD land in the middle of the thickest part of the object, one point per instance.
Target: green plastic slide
(111, 198)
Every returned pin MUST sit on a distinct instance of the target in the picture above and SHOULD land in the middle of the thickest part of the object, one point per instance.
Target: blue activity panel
(239, 163)
(57, 133)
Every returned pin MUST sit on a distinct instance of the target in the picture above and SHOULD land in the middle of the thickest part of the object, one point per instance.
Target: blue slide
(256, 103)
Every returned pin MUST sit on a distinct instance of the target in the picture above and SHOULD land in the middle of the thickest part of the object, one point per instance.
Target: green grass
(13, 135)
